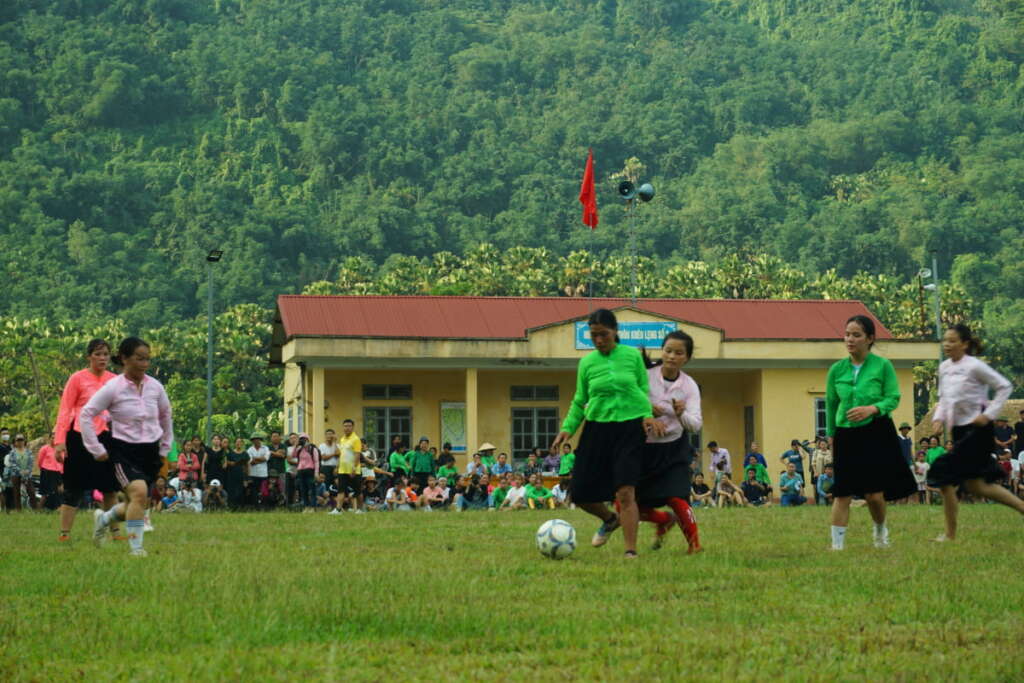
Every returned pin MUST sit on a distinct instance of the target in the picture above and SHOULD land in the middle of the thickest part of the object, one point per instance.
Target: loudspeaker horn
(627, 190)
(645, 192)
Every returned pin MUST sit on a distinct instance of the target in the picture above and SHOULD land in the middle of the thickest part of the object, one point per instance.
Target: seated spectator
(487, 458)
(327, 498)
(934, 450)
(475, 467)
(790, 486)
(501, 467)
(190, 497)
(500, 491)
(699, 491)
(396, 497)
(760, 473)
(446, 491)
(728, 492)
(1004, 462)
(270, 491)
(754, 491)
(448, 471)
(567, 461)
(156, 493)
(214, 498)
(538, 496)
(516, 498)
(561, 492)
(826, 480)
(372, 497)
(412, 492)
(921, 468)
(551, 463)
(531, 466)
(170, 502)
(756, 454)
(473, 498)
(433, 495)
(321, 490)
(485, 483)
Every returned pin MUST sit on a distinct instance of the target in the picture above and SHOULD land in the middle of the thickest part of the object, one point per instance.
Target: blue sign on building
(630, 334)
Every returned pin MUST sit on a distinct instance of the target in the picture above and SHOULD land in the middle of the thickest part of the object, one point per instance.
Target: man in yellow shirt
(350, 478)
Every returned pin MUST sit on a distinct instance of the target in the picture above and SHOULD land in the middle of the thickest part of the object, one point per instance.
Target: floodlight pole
(211, 258)
(631, 210)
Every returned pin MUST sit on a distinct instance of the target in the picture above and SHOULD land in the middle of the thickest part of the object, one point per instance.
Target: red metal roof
(481, 317)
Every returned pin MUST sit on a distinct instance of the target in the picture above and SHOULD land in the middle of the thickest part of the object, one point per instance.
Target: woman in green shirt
(861, 393)
(611, 393)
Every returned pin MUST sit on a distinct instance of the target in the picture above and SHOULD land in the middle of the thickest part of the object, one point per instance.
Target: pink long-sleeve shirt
(48, 459)
(79, 389)
(136, 416)
(661, 394)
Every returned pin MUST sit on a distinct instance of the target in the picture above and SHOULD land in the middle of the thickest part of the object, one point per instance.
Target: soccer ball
(556, 539)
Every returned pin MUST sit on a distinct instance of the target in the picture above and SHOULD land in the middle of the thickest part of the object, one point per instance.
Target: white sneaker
(941, 538)
(360, 511)
(148, 527)
(882, 539)
(99, 528)
(335, 511)
(141, 552)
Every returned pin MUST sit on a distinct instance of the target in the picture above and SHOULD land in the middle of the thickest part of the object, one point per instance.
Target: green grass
(428, 596)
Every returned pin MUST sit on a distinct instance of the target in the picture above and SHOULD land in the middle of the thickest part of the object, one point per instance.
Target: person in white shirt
(515, 499)
(396, 498)
(329, 451)
(190, 498)
(560, 491)
(964, 405)
(258, 457)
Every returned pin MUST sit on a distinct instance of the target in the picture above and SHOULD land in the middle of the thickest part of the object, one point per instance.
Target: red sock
(687, 522)
(649, 514)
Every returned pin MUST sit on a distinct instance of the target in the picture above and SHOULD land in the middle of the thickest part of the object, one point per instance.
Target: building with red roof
(502, 369)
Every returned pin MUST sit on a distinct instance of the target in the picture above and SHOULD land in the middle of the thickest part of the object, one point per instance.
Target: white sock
(145, 516)
(112, 515)
(838, 536)
(136, 528)
(880, 529)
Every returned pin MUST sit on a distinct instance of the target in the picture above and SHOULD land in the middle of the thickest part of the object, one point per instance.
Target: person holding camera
(306, 460)
(214, 497)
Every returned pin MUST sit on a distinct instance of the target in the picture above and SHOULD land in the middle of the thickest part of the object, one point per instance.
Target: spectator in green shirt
(421, 462)
(399, 461)
(487, 458)
(538, 495)
(934, 450)
(449, 471)
(500, 491)
(567, 462)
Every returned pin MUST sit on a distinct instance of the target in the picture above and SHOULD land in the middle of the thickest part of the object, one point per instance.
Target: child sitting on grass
(560, 493)
(170, 501)
(699, 492)
(728, 492)
(372, 496)
(516, 497)
(500, 491)
(538, 496)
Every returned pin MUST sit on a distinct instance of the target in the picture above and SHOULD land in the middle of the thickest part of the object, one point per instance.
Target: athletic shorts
(352, 483)
(135, 461)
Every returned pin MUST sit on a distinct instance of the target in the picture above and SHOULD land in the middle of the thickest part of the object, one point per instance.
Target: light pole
(211, 258)
(933, 286)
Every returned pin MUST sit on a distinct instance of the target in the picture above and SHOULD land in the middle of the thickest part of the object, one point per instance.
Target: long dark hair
(974, 347)
(603, 316)
(866, 324)
(127, 348)
(674, 334)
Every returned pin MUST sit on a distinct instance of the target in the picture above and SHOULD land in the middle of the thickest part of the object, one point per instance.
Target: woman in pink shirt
(81, 471)
(141, 436)
(49, 475)
(188, 463)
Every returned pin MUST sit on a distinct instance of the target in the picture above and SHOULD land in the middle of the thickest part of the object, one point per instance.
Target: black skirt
(82, 472)
(869, 459)
(971, 458)
(609, 456)
(666, 472)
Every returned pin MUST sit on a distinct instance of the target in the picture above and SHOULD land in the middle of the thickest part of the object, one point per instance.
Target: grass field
(431, 596)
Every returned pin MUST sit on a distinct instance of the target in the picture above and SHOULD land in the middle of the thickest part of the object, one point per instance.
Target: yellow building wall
(496, 403)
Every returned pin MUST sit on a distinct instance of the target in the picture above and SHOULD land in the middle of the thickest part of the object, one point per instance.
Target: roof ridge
(626, 300)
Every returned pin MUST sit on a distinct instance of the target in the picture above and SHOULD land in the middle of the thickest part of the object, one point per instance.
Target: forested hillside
(854, 135)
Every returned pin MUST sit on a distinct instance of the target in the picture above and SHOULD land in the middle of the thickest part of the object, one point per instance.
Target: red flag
(587, 195)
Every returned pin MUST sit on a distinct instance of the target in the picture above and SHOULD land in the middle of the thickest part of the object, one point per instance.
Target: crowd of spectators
(343, 475)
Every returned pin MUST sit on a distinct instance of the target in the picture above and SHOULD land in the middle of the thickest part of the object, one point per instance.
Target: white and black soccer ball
(556, 539)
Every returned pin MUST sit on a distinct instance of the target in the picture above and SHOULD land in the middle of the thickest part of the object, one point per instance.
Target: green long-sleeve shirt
(761, 473)
(609, 388)
(421, 462)
(875, 385)
(398, 461)
(537, 492)
(566, 464)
